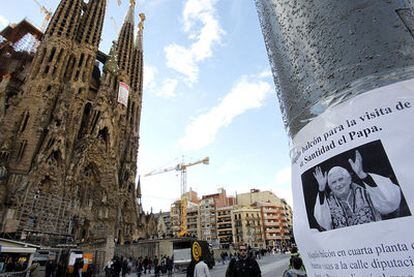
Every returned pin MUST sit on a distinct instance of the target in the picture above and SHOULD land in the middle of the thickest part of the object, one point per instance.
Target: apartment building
(209, 205)
(247, 226)
(208, 220)
(276, 222)
(193, 220)
(255, 195)
(258, 218)
(175, 217)
(224, 227)
(165, 217)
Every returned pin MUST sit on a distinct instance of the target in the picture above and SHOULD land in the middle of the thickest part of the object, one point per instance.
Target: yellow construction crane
(182, 168)
(46, 12)
(114, 24)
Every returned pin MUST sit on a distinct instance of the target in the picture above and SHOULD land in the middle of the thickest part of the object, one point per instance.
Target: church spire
(138, 41)
(90, 29)
(139, 195)
(126, 40)
(65, 20)
(137, 60)
(129, 18)
(137, 69)
(138, 192)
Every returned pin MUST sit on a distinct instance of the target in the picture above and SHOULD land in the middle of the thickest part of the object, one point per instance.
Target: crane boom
(178, 167)
(182, 167)
(38, 3)
(206, 160)
(46, 12)
(115, 25)
(160, 171)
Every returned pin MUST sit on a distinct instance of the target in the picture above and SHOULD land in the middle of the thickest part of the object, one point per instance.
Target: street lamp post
(336, 66)
(323, 52)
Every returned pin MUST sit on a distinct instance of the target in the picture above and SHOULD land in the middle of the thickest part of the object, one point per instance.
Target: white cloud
(150, 72)
(168, 88)
(248, 93)
(3, 21)
(265, 74)
(181, 59)
(203, 29)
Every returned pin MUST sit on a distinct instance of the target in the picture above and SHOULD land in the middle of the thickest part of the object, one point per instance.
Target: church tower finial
(90, 29)
(138, 42)
(126, 40)
(65, 20)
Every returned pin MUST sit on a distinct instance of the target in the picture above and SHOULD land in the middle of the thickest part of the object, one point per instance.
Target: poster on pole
(123, 94)
(353, 186)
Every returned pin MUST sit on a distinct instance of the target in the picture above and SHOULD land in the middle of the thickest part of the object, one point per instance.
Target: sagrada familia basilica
(69, 130)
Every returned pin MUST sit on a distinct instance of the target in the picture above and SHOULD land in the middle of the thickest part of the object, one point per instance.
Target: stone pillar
(323, 52)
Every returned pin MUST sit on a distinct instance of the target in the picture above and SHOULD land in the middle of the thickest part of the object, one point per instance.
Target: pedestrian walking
(295, 254)
(156, 267)
(223, 258)
(78, 267)
(145, 264)
(296, 270)
(243, 266)
(50, 268)
(201, 269)
(61, 269)
(139, 267)
(170, 266)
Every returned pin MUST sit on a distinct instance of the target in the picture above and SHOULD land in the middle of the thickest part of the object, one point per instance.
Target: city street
(271, 266)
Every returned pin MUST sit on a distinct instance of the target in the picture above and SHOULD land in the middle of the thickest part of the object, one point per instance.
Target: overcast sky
(208, 91)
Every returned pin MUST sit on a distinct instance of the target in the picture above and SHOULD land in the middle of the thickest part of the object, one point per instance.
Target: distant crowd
(142, 265)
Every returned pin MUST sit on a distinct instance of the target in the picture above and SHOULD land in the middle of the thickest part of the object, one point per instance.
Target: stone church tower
(69, 130)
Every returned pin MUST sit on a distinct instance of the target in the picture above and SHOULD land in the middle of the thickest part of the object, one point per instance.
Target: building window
(22, 149)
(24, 121)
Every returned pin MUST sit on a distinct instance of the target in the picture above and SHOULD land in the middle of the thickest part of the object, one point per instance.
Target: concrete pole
(322, 51)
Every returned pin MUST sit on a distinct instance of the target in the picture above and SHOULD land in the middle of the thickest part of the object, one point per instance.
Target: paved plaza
(270, 266)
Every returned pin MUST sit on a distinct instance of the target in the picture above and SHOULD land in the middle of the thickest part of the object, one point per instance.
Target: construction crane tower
(46, 12)
(182, 168)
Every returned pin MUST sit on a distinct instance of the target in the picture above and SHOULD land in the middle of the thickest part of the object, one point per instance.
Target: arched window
(103, 134)
(22, 149)
(85, 119)
(69, 68)
(25, 119)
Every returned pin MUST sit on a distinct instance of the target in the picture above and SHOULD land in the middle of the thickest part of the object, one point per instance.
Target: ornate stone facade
(67, 146)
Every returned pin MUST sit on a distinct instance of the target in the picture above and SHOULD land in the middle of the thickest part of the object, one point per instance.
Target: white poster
(353, 186)
(123, 94)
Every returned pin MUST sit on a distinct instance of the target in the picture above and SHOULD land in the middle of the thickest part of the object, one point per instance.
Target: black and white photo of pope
(347, 194)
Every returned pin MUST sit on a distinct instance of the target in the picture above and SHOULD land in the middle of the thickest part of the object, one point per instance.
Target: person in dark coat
(156, 267)
(296, 270)
(244, 266)
(50, 268)
(78, 268)
(124, 267)
(170, 266)
(139, 267)
(61, 269)
(230, 267)
(145, 265)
